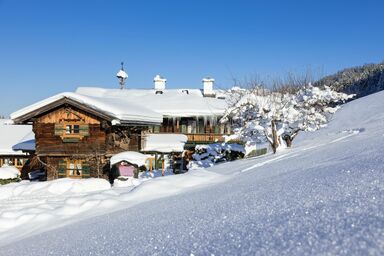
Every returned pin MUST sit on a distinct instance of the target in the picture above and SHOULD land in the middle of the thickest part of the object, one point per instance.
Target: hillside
(362, 81)
(324, 196)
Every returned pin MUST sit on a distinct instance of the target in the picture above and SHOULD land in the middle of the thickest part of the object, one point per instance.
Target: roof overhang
(29, 116)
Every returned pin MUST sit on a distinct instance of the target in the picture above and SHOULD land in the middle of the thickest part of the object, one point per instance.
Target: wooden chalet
(193, 112)
(76, 133)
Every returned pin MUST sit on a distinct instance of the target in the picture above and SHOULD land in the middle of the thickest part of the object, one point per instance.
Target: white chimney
(208, 87)
(159, 83)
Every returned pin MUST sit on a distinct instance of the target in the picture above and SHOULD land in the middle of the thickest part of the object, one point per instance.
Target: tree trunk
(289, 138)
(275, 139)
(288, 141)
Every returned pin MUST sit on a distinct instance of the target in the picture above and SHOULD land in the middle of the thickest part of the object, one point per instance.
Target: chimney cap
(159, 78)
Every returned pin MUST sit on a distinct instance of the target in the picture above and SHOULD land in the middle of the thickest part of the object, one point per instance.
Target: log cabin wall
(53, 142)
(70, 140)
(47, 143)
(58, 167)
(83, 143)
(123, 138)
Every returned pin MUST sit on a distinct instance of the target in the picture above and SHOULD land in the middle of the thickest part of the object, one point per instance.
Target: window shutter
(217, 129)
(84, 129)
(183, 128)
(59, 129)
(86, 169)
(62, 170)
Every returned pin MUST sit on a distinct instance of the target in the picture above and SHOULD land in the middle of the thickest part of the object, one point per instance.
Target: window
(154, 129)
(191, 128)
(17, 162)
(72, 129)
(71, 132)
(74, 168)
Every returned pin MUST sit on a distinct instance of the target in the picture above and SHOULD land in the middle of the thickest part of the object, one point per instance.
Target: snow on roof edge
(93, 103)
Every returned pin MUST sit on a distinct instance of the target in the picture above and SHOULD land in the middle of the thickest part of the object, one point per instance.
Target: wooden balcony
(204, 138)
(195, 138)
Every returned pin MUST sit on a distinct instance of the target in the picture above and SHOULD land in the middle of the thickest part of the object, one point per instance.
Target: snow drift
(9, 172)
(323, 196)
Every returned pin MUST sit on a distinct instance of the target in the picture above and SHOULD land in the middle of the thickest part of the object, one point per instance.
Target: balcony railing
(205, 137)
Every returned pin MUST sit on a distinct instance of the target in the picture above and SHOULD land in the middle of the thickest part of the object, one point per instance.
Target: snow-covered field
(28, 208)
(324, 196)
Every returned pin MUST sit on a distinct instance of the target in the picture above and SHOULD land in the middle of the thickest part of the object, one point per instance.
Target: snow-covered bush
(9, 174)
(210, 154)
(278, 116)
(315, 107)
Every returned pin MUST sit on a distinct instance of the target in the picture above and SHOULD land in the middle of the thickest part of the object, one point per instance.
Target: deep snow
(323, 196)
(9, 172)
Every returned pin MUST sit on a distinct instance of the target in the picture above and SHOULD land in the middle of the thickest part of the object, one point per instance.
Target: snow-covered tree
(258, 117)
(275, 117)
(315, 106)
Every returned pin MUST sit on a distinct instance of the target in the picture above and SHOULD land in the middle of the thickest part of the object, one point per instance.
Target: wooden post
(162, 165)
(155, 161)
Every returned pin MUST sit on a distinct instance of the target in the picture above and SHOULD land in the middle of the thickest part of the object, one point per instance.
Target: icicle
(214, 120)
(197, 130)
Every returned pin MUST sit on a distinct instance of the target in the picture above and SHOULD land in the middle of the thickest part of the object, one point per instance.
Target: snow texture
(117, 108)
(172, 102)
(122, 74)
(164, 143)
(129, 156)
(210, 154)
(10, 135)
(27, 143)
(324, 196)
(8, 172)
(28, 208)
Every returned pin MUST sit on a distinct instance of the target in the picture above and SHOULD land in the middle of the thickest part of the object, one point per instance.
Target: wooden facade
(74, 143)
(198, 129)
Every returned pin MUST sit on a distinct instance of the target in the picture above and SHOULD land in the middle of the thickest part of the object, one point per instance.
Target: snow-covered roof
(27, 143)
(10, 135)
(172, 102)
(116, 108)
(129, 156)
(164, 143)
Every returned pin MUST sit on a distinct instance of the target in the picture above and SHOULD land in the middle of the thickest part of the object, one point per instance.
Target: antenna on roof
(122, 76)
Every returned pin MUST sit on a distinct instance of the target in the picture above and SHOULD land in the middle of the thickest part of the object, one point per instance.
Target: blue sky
(47, 47)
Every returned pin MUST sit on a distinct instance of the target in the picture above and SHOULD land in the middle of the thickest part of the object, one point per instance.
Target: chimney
(159, 83)
(208, 87)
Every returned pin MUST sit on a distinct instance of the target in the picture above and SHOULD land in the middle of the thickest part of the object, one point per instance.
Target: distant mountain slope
(363, 80)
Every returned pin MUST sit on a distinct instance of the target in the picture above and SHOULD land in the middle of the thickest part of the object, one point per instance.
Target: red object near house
(126, 170)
